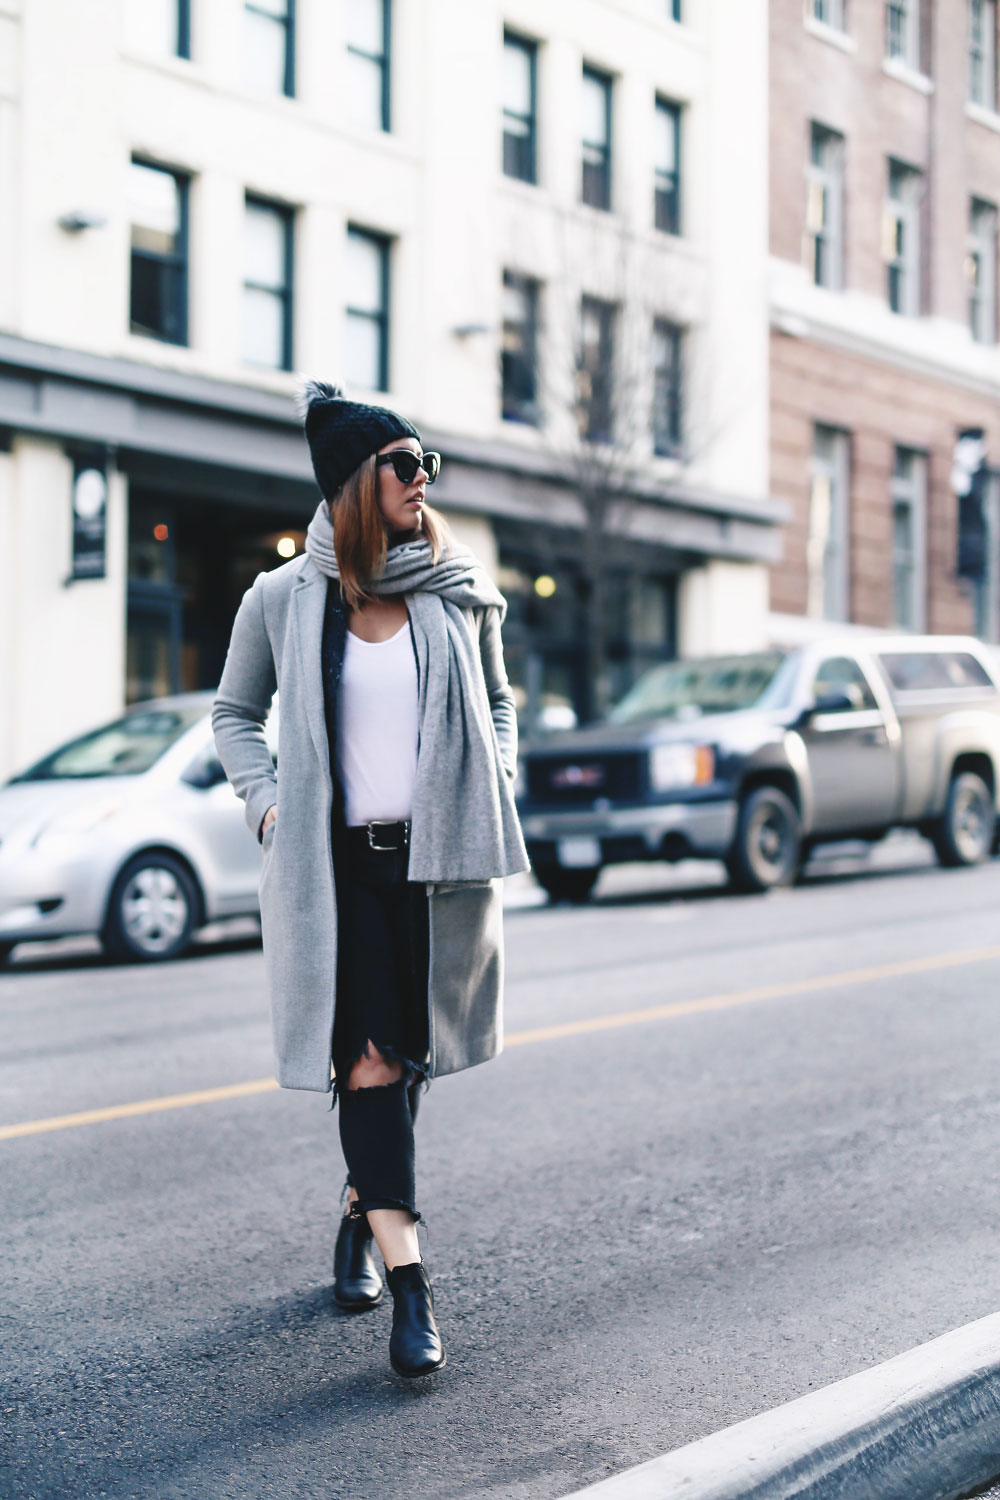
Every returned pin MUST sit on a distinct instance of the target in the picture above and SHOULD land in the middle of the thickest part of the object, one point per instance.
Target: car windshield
(686, 689)
(127, 747)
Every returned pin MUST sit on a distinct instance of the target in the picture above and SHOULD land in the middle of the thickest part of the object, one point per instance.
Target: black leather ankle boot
(357, 1286)
(415, 1344)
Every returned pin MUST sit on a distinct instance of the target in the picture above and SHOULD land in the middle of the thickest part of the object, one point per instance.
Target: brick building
(885, 180)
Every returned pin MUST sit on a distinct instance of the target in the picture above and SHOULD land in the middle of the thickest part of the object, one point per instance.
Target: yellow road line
(726, 1001)
(764, 992)
(140, 1107)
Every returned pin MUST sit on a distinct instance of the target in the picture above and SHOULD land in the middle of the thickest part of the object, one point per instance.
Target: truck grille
(577, 781)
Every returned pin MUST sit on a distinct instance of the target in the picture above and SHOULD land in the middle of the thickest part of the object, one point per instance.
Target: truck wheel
(767, 850)
(964, 835)
(568, 885)
(151, 913)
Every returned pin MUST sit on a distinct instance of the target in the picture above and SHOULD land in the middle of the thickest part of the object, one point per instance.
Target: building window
(595, 370)
(825, 206)
(520, 127)
(829, 12)
(909, 487)
(667, 169)
(983, 53)
(267, 285)
(269, 45)
(981, 271)
(366, 346)
(519, 353)
(596, 139)
(369, 29)
(158, 204)
(901, 238)
(828, 531)
(162, 27)
(668, 388)
(902, 31)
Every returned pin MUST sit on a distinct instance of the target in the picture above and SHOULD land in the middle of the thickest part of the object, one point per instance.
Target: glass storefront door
(189, 564)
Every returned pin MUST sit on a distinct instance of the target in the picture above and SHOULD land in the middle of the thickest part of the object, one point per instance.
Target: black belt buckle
(388, 823)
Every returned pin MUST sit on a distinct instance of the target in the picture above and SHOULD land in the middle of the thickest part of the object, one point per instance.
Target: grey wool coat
(276, 645)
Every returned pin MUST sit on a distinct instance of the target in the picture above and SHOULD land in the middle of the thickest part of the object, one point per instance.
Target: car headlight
(78, 820)
(673, 767)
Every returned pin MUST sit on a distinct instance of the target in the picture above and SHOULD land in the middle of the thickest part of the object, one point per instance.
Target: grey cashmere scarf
(465, 826)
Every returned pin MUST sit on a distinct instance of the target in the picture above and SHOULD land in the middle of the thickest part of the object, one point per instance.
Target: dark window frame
(523, 144)
(288, 22)
(829, 174)
(983, 55)
(908, 491)
(668, 435)
(178, 261)
(906, 296)
(667, 184)
(599, 172)
(598, 406)
(903, 33)
(384, 62)
(184, 28)
(830, 13)
(286, 214)
(380, 318)
(982, 253)
(514, 408)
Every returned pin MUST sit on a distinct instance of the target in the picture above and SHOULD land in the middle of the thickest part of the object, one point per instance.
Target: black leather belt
(384, 836)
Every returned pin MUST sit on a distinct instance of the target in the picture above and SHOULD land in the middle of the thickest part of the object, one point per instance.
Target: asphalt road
(642, 1228)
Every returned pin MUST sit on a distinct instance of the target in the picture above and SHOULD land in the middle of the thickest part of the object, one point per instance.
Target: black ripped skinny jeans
(382, 958)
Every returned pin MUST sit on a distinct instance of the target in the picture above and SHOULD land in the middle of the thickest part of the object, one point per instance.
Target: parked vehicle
(755, 759)
(131, 832)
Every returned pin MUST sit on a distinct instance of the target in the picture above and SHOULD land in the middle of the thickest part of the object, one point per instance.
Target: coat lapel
(308, 603)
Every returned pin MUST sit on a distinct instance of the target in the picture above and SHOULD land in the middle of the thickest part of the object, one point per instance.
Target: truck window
(842, 674)
(933, 671)
(712, 685)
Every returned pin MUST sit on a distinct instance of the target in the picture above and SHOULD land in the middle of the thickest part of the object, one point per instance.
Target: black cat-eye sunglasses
(405, 464)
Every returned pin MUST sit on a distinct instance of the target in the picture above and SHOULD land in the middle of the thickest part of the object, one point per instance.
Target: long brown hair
(360, 537)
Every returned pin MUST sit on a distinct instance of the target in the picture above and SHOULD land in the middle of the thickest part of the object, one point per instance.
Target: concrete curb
(922, 1426)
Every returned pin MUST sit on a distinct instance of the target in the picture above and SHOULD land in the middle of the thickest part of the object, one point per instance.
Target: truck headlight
(673, 767)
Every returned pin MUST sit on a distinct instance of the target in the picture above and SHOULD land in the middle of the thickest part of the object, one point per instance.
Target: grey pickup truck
(755, 759)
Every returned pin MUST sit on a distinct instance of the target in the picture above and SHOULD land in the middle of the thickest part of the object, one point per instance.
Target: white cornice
(861, 324)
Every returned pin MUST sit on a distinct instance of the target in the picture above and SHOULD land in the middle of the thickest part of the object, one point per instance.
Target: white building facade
(514, 223)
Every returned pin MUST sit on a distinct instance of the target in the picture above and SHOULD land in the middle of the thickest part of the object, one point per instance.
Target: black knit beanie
(342, 434)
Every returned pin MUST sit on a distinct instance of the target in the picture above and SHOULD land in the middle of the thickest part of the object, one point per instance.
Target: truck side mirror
(836, 702)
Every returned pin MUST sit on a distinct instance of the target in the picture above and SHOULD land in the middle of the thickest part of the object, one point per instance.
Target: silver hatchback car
(131, 833)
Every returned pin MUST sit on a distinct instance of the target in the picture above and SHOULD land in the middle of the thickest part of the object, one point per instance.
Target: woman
(386, 826)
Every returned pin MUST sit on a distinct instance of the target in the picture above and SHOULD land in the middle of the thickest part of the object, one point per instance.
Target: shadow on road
(86, 953)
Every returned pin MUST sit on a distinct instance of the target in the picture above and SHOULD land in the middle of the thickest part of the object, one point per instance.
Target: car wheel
(767, 850)
(6, 949)
(152, 910)
(568, 885)
(964, 835)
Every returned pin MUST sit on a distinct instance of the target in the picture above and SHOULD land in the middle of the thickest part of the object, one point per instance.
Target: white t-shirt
(377, 725)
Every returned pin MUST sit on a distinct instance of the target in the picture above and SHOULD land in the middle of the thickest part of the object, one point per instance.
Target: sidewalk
(922, 1426)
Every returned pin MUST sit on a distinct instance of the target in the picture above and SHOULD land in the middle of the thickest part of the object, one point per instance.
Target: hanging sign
(90, 516)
